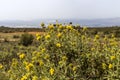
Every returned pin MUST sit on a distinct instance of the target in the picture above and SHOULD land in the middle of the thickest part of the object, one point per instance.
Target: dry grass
(9, 36)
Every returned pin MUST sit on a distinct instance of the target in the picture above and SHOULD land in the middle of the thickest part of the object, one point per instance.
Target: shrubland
(66, 53)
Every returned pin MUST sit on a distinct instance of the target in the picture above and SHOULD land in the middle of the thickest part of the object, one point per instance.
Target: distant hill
(82, 22)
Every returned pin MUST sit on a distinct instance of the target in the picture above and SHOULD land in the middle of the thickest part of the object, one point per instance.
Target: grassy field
(12, 36)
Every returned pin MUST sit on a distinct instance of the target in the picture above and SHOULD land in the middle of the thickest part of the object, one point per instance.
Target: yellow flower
(51, 71)
(83, 37)
(38, 37)
(60, 27)
(1, 66)
(112, 57)
(25, 63)
(92, 49)
(29, 66)
(24, 77)
(96, 36)
(41, 62)
(104, 65)
(47, 36)
(37, 34)
(34, 78)
(64, 58)
(50, 26)
(21, 56)
(9, 71)
(113, 36)
(110, 66)
(69, 27)
(43, 50)
(59, 35)
(58, 45)
(74, 68)
(60, 62)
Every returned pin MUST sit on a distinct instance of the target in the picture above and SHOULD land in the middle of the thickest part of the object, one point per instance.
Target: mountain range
(108, 22)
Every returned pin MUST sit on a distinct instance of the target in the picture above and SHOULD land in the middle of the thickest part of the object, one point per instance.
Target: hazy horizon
(27, 10)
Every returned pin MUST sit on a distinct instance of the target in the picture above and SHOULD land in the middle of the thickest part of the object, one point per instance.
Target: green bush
(26, 39)
(15, 36)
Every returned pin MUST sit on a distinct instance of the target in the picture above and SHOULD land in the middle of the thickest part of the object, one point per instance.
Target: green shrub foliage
(26, 39)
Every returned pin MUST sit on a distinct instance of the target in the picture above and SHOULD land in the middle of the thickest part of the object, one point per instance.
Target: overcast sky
(58, 9)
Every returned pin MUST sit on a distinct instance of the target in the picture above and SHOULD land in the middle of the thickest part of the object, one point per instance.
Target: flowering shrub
(68, 54)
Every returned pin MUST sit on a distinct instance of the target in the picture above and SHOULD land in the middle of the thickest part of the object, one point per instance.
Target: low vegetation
(63, 52)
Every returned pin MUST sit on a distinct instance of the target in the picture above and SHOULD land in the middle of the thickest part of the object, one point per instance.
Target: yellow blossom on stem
(112, 57)
(64, 58)
(29, 66)
(58, 45)
(38, 37)
(1, 66)
(41, 62)
(69, 27)
(34, 78)
(37, 34)
(21, 56)
(24, 77)
(60, 27)
(50, 26)
(110, 66)
(43, 50)
(74, 68)
(47, 36)
(59, 35)
(51, 71)
(96, 36)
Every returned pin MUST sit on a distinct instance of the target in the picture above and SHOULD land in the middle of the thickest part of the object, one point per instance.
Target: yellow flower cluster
(38, 36)
(64, 49)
